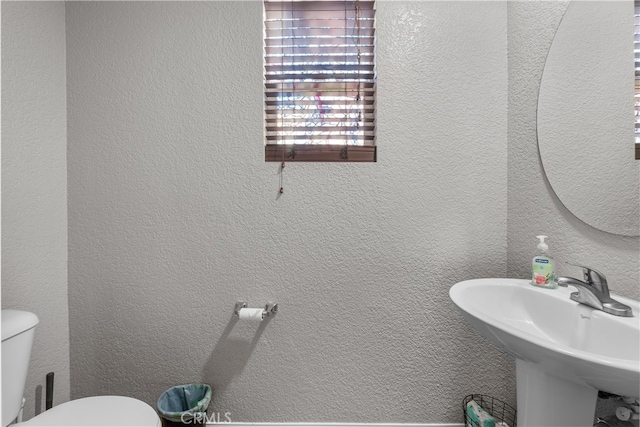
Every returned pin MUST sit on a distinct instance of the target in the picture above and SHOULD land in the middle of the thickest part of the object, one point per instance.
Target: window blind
(319, 72)
(636, 49)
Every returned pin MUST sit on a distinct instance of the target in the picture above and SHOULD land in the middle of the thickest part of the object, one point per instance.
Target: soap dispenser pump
(543, 267)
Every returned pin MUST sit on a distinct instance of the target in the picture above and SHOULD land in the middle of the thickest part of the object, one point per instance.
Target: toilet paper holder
(269, 309)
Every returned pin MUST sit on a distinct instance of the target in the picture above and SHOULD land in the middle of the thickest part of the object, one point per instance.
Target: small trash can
(503, 413)
(184, 405)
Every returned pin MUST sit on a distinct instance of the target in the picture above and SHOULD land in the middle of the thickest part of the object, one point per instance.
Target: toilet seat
(98, 411)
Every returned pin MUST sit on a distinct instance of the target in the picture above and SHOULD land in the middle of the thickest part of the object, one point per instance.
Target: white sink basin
(565, 351)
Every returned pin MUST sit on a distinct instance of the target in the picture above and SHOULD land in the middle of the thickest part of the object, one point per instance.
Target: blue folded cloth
(478, 417)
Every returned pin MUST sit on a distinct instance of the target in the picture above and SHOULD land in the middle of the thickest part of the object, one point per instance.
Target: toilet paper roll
(612, 421)
(623, 413)
(256, 314)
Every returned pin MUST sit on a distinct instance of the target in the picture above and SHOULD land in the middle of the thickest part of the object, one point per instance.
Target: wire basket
(502, 412)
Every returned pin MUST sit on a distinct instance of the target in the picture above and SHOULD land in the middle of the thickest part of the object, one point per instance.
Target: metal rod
(49, 393)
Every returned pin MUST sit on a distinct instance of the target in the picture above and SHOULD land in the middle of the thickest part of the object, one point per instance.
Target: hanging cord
(359, 99)
(282, 110)
(294, 116)
(344, 154)
(353, 114)
(281, 172)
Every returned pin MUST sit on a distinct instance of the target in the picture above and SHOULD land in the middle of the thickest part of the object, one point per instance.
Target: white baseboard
(331, 425)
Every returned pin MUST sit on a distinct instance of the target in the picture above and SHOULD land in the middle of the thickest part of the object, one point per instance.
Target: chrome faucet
(594, 292)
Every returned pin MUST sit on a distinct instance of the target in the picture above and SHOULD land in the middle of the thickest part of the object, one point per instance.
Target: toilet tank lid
(15, 322)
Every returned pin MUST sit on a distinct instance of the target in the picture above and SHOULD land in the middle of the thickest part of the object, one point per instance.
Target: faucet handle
(594, 277)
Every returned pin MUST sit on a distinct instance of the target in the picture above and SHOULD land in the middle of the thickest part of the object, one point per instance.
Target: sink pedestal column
(545, 400)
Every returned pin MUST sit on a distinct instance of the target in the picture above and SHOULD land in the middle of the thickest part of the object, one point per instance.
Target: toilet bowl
(17, 338)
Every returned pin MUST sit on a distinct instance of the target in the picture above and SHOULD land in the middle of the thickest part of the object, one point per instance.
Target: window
(636, 49)
(319, 80)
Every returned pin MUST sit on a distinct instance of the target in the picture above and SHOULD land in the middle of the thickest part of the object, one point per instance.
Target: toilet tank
(17, 337)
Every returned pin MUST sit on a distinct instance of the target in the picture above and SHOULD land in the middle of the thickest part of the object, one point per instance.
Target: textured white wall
(173, 217)
(533, 207)
(34, 186)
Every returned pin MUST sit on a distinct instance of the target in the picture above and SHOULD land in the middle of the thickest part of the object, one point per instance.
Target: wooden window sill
(319, 153)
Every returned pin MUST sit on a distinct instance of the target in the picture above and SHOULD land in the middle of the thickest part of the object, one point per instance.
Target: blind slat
(314, 74)
(322, 49)
(316, 6)
(323, 57)
(273, 137)
(369, 100)
(277, 116)
(306, 36)
(324, 93)
(275, 68)
(277, 84)
(321, 29)
(637, 70)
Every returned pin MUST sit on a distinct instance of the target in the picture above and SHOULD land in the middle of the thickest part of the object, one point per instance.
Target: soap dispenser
(543, 267)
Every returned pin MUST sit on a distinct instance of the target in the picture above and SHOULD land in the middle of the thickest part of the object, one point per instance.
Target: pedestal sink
(565, 352)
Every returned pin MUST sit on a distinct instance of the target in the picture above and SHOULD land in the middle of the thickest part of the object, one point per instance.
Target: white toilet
(17, 337)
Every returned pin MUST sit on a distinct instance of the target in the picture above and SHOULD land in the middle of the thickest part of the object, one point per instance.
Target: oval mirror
(585, 117)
